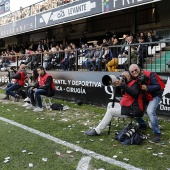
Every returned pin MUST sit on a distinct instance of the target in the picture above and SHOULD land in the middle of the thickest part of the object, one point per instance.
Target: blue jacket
(154, 88)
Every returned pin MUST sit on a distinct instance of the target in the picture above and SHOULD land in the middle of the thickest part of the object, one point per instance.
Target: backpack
(56, 106)
(130, 135)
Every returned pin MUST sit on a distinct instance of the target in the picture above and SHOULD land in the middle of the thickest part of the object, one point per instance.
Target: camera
(122, 78)
(108, 80)
(130, 132)
(142, 79)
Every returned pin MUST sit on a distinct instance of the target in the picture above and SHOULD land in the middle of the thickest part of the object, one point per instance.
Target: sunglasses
(134, 71)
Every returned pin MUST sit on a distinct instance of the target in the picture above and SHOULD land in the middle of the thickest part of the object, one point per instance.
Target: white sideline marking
(84, 163)
(72, 146)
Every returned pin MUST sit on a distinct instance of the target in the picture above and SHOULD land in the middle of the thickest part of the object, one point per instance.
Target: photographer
(131, 103)
(152, 89)
(19, 81)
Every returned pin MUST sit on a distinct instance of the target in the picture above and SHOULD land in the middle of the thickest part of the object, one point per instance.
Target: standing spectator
(45, 86)
(142, 51)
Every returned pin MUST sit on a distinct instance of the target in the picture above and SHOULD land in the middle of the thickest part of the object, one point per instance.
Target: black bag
(56, 106)
(130, 135)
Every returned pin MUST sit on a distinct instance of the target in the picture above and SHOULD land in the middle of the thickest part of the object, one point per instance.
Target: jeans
(90, 63)
(37, 97)
(151, 113)
(99, 64)
(116, 112)
(65, 65)
(11, 88)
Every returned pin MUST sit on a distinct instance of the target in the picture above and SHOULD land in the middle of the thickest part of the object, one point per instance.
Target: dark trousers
(11, 88)
(36, 96)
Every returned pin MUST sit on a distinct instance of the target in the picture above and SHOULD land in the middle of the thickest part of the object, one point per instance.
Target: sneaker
(27, 104)
(38, 109)
(6, 98)
(30, 107)
(91, 132)
(27, 99)
(156, 138)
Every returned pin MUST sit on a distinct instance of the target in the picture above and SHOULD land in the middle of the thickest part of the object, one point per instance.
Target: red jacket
(21, 80)
(128, 100)
(42, 81)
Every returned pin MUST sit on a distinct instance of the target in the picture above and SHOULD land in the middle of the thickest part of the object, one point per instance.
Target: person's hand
(144, 87)
(34, 89)
(117, 82)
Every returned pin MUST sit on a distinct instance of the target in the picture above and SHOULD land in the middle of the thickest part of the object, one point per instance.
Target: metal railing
(153, 56)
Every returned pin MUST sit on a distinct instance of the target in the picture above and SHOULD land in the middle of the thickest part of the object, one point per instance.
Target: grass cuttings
(69, 126)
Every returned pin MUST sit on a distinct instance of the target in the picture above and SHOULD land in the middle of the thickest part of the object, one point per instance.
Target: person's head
(83, 45)
(41, 70)
(90, 47)
(23, 66)
(141, 39)
(127, 75)
(134, 70)
(115, 40)
(34, 74)
(129, 39)
(149, 34)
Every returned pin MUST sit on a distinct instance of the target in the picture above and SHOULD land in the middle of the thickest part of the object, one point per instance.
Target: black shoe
(6, 98)
(157, 138)
(17, 97)
(91, 132)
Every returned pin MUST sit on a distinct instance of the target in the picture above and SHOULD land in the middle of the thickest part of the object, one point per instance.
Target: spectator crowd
(32, 10)
(93, 56)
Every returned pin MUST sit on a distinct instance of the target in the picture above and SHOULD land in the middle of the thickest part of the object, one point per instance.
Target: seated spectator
(5, 61)
(65, 61)
(114, 52)
(47, 60)
(31, 81)
(45, 86)
(19, 81)
(98, 58)
(82, 52)
(106, 55)
(90, 58)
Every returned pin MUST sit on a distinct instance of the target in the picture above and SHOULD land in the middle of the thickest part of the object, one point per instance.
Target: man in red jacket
(131, 103)
(19, 81)
(45, 86)
(152, 90)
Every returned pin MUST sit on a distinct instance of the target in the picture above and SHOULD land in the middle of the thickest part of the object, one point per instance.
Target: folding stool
(46, 101)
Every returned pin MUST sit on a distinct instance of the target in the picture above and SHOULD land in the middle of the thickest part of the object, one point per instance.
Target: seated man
(130, 104)
(19, 81)
(45, 86)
